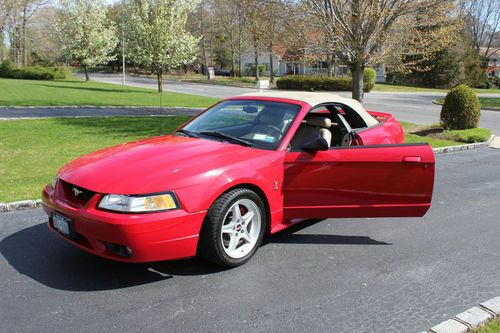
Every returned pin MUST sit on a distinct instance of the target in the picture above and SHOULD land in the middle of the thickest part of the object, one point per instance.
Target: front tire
(233, 228)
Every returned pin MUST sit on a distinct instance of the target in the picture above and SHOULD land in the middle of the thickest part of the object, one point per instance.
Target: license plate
(61, 224)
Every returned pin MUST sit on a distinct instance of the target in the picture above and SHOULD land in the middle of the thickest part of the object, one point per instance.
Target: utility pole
(123, 57)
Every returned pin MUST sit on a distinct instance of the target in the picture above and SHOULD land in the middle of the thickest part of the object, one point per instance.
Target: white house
(308, 65)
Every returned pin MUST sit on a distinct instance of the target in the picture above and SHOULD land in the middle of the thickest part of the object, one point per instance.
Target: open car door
(359, 181)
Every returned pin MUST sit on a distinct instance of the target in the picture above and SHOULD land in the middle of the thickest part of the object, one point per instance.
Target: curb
(482, 109)
(19, 205)
(450, 149)
(471, 319)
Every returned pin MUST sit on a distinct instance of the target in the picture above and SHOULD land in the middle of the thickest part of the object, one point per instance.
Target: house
(493, 60)
(305, 62)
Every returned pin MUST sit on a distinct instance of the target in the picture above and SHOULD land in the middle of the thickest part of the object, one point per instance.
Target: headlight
(139, 204)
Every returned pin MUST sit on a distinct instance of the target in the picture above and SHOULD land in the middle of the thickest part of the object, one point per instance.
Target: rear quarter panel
(388, 131)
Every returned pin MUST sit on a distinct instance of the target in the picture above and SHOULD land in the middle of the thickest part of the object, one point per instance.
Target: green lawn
(77, 92)
(31, 151)
(402, 88)
(444, 138)
(486, 102)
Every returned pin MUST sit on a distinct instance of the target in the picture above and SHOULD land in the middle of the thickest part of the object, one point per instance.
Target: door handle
(412, 159)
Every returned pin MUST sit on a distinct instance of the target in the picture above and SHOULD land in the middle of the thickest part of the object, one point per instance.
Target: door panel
(362, 181)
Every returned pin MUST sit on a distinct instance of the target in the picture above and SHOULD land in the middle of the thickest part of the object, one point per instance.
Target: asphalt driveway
(345, 275)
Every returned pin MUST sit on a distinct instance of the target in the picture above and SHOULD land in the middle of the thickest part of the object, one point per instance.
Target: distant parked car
(222, 72)
(249, 165)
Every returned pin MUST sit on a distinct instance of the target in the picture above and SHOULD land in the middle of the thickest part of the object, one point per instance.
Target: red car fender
(200, 197)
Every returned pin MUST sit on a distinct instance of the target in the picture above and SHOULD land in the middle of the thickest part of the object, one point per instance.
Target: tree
(85, 33)
(158, 34)
(357, 30)
(230, 15)
(482, 22)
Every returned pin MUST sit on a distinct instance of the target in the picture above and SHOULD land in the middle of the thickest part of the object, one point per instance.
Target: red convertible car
(249, 165)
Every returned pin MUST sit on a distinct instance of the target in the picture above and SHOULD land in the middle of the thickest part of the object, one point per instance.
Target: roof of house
(316, 98)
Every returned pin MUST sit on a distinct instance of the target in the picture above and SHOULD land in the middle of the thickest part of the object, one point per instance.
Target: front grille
(74, 195)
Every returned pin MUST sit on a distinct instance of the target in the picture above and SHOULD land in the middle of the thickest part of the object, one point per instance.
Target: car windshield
(260, 124)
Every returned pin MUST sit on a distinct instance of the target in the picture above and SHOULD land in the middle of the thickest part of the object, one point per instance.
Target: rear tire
(233, 228)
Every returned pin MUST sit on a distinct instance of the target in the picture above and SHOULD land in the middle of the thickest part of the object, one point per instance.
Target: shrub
(315, 82)
(369, 79)
(8, 70)
(461, 109)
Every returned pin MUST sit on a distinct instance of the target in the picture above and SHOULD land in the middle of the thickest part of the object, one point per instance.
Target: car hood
(155, 165)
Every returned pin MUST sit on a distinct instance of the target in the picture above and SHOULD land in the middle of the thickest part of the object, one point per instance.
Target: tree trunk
(271, 65)
(203, 45)
(233, 61)
(357, 81)
(25, 51)
(256, 60)
(159, 78)
(87, 78)
(240, 65)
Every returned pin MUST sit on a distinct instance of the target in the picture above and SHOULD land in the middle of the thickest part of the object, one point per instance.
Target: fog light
(120, 250)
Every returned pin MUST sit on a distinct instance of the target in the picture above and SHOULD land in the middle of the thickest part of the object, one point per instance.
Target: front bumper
(150, 236)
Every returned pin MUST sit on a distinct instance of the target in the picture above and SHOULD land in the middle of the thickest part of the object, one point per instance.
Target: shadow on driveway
(41, 255)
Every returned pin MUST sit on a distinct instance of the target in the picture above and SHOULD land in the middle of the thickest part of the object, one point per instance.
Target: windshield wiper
(227, 137)
(188, 133)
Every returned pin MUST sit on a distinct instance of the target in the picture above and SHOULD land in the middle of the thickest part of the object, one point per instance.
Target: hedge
(8, 70)
(316, 82)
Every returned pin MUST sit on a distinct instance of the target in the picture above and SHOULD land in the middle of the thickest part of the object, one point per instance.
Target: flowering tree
(158, 36)
(85, 33)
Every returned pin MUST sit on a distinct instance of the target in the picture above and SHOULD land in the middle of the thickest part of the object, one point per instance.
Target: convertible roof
(316, 98)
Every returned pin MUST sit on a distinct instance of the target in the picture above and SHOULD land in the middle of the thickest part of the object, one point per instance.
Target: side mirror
(315, 145)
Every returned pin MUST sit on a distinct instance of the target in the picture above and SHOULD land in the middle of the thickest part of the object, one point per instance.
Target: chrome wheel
(241, 228)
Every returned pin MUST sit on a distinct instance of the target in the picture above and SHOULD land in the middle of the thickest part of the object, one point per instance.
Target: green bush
(315, 82)
(8, 70)
(369, 79)
(461, 109)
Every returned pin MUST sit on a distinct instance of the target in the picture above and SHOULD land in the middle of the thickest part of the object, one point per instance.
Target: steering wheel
(273, 129)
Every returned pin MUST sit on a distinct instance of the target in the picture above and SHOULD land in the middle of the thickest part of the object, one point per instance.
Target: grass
(486, 102)
(436, 136)
(490, 327)
(31, 151)
(393, 87)
(15, 92)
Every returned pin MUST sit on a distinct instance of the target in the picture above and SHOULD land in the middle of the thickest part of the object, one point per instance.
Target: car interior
(332, 122)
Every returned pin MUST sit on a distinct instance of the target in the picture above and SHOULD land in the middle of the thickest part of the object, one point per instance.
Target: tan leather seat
(312, 128)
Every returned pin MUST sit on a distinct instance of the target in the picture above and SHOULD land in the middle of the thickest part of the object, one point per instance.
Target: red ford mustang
(249, 165)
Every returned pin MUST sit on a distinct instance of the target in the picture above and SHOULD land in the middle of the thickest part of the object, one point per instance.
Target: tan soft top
(316, 98)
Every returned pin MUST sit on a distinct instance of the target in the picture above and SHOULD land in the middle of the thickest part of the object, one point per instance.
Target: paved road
(346, 275)
(411, 107)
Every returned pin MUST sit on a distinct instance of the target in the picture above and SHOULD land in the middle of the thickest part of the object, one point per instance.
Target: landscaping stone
(4, 207)
(449, 326)
(23, 204)
(492, 305)
(475, 316)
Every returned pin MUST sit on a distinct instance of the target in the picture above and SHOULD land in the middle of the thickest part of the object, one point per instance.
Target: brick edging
(19, 205)
(449, 149)
(471, 319)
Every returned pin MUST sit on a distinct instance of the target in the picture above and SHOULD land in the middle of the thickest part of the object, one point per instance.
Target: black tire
(210, 244)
